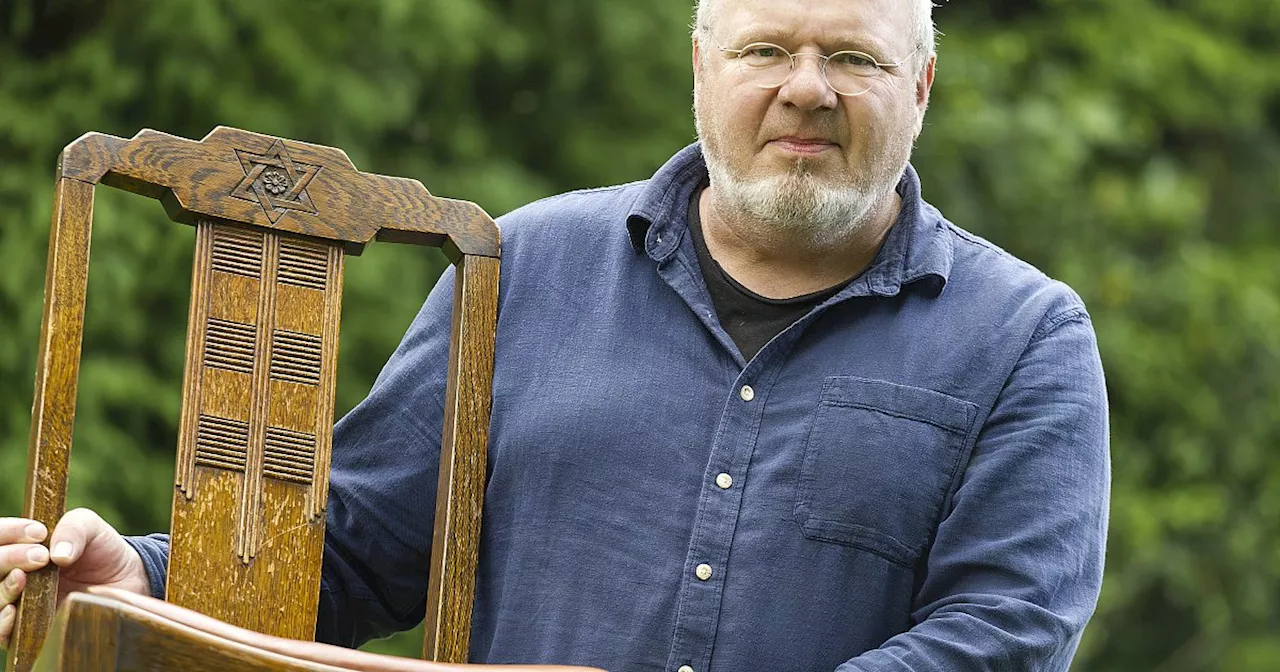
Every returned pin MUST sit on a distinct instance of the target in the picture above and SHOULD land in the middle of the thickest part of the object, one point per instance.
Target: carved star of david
(275, 181)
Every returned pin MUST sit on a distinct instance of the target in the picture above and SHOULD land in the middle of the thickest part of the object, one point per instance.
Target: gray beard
(797, 207)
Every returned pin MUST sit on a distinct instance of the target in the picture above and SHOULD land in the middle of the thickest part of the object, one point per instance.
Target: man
(765, 411)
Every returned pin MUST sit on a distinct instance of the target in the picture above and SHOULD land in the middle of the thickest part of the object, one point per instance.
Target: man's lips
(803, 145)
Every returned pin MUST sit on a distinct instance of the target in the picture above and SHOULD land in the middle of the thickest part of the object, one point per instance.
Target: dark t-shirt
(750, 319)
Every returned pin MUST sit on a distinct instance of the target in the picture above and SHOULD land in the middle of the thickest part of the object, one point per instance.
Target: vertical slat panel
(254, 518)
(460, 498)
(53, 412)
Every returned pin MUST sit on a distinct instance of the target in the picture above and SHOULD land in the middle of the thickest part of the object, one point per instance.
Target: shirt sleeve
(382, 493)
(154, 550)
(1015, 570)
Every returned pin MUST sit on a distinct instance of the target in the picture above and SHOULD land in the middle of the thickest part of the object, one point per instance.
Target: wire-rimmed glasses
(848, 73)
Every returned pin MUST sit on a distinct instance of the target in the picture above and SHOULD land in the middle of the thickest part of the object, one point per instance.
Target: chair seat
(107, 629)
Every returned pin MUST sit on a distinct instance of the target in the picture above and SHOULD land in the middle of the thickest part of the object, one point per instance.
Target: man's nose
(806, 87)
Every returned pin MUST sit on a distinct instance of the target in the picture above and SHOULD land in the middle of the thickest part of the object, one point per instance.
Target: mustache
(821, 131)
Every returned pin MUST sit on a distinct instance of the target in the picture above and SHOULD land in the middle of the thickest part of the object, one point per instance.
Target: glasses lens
(851, 72)
(765, 64)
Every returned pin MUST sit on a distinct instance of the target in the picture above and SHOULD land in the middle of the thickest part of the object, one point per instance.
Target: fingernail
(12, 579)
(62, 550)
(39, 554)
(35, 531)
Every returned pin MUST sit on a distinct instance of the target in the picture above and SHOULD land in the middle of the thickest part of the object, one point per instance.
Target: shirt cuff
(154, 551)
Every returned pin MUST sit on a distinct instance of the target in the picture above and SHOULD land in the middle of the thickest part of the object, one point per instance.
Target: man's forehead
(884, 22)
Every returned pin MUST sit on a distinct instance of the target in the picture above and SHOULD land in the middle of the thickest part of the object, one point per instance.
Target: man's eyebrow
(858, 42)
(844, 42)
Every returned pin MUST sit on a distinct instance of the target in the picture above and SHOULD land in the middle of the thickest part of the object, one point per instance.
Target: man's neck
(777, 268)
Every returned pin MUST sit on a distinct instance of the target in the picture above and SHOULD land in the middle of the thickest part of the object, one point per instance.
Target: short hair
(925, 32)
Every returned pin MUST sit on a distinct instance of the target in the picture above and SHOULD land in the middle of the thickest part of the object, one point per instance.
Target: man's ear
(924, 84)
(697, 53)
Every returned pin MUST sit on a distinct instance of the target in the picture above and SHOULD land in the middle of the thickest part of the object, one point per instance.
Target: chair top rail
(279, 184)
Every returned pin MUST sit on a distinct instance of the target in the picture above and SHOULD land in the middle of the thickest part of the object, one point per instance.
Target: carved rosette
(275, 181)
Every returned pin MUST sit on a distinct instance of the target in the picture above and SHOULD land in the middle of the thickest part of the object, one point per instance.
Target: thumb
(77, 530)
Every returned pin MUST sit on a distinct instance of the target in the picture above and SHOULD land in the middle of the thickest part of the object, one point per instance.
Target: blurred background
(1128, 147)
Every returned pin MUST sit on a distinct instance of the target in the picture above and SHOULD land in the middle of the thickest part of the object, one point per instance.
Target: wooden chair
(275, 221)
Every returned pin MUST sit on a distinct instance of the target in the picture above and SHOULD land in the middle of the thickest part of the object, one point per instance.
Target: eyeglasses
(848, 73)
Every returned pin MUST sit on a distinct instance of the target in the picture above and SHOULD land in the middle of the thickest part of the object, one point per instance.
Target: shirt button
(725, 481)
(685, 668)
(703, 571)
(747, 393)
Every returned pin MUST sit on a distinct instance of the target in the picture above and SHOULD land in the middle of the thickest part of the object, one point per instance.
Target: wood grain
(100, 634)
(53, 411)
(197, 180)
(460, 497)
(329, 326)
(277, 591)
(149, 635)
(82, 639)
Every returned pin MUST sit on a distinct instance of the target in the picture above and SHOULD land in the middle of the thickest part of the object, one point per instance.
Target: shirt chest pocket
(878, 463)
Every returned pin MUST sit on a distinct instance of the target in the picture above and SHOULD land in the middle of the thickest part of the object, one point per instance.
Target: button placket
(702, 592)
(699, 600)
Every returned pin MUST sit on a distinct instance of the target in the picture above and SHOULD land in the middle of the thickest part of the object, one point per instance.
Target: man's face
(801, 151)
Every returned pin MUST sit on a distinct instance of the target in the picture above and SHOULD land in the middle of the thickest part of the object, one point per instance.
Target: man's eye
(763, 54)
(854, 59)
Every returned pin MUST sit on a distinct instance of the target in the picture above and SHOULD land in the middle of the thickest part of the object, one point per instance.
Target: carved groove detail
(229, 345)
(222, 443)
(192, 375)
(295, 358)
(303, 265)
(237, 251)
(289, 455)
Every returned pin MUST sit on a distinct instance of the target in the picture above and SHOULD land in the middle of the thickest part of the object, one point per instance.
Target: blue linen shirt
(913, 476)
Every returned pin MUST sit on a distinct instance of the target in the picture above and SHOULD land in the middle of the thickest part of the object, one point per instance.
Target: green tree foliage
(1132, 149)
(1128, 147)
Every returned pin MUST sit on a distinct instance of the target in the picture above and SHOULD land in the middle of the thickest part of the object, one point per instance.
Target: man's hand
(88, 550)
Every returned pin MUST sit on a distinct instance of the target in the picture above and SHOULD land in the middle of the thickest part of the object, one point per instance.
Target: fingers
(11, 586)
(21, 531)
(28, 557)
(73, 533)
(22, 552)
(20, 547)
(7, 616)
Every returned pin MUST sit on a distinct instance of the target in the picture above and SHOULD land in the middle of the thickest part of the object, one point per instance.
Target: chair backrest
(275, 220)
(151, 635)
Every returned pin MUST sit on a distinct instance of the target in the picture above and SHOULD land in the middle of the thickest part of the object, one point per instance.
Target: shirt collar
(660, 215)
(918, 247)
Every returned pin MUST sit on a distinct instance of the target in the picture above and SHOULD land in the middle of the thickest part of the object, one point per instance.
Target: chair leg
(53, 413)
(460, 495)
